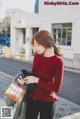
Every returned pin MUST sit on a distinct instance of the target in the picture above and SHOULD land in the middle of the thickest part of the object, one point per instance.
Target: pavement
(65, 108)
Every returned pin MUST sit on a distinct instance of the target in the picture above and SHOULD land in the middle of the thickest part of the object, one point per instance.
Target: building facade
(61, 19)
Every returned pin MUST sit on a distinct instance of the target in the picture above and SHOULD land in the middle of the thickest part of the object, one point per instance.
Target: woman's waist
(42, 94)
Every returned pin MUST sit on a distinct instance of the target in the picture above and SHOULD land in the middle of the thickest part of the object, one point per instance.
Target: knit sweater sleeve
(56, 86)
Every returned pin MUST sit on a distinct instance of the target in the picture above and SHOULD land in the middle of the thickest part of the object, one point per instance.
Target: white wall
(28, 43)
(21, 20)
(77, 37)
(59, 11)
(50, 14)
(25, 19)
(47, 16)
(16, 38)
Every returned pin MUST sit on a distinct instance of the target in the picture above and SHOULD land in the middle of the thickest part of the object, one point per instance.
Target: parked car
(5, 40)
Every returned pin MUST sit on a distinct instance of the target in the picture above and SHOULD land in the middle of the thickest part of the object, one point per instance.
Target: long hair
(45, 39)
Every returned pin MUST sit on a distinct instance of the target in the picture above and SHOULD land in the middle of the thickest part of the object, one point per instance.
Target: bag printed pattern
(15, 92)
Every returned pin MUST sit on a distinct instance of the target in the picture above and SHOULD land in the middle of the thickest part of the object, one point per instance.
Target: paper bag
(15, 92)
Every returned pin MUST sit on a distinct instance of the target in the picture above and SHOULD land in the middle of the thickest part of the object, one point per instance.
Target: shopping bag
(10, 102)
(15, 92)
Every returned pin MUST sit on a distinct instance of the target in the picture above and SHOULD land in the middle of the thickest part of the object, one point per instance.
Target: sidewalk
(65, 109)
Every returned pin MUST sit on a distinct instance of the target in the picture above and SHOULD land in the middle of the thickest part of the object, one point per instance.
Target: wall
(54, 14)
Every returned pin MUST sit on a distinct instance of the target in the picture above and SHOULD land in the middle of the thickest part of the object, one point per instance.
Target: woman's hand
(31, 79)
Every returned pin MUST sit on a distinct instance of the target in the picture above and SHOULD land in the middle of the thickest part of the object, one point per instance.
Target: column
(28, 43)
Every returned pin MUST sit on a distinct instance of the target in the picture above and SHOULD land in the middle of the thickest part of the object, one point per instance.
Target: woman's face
(38, 48)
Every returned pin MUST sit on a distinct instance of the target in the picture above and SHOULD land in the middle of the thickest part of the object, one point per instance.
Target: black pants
(34, 107)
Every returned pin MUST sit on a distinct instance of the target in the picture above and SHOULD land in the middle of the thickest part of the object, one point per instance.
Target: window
(62, 33)
(35, 30)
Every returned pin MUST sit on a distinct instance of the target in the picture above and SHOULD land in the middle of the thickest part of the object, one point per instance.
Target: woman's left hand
(31, 79)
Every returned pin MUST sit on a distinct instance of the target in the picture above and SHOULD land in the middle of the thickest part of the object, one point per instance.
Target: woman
(48, 68)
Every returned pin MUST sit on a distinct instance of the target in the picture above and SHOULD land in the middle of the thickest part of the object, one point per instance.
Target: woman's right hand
(21, 80)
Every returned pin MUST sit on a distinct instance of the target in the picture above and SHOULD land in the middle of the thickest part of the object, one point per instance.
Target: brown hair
(45, 39)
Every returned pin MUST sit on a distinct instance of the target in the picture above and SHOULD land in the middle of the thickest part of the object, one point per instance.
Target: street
(71, 81)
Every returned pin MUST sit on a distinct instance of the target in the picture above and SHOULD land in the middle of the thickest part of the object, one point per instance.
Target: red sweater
(50, 73)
